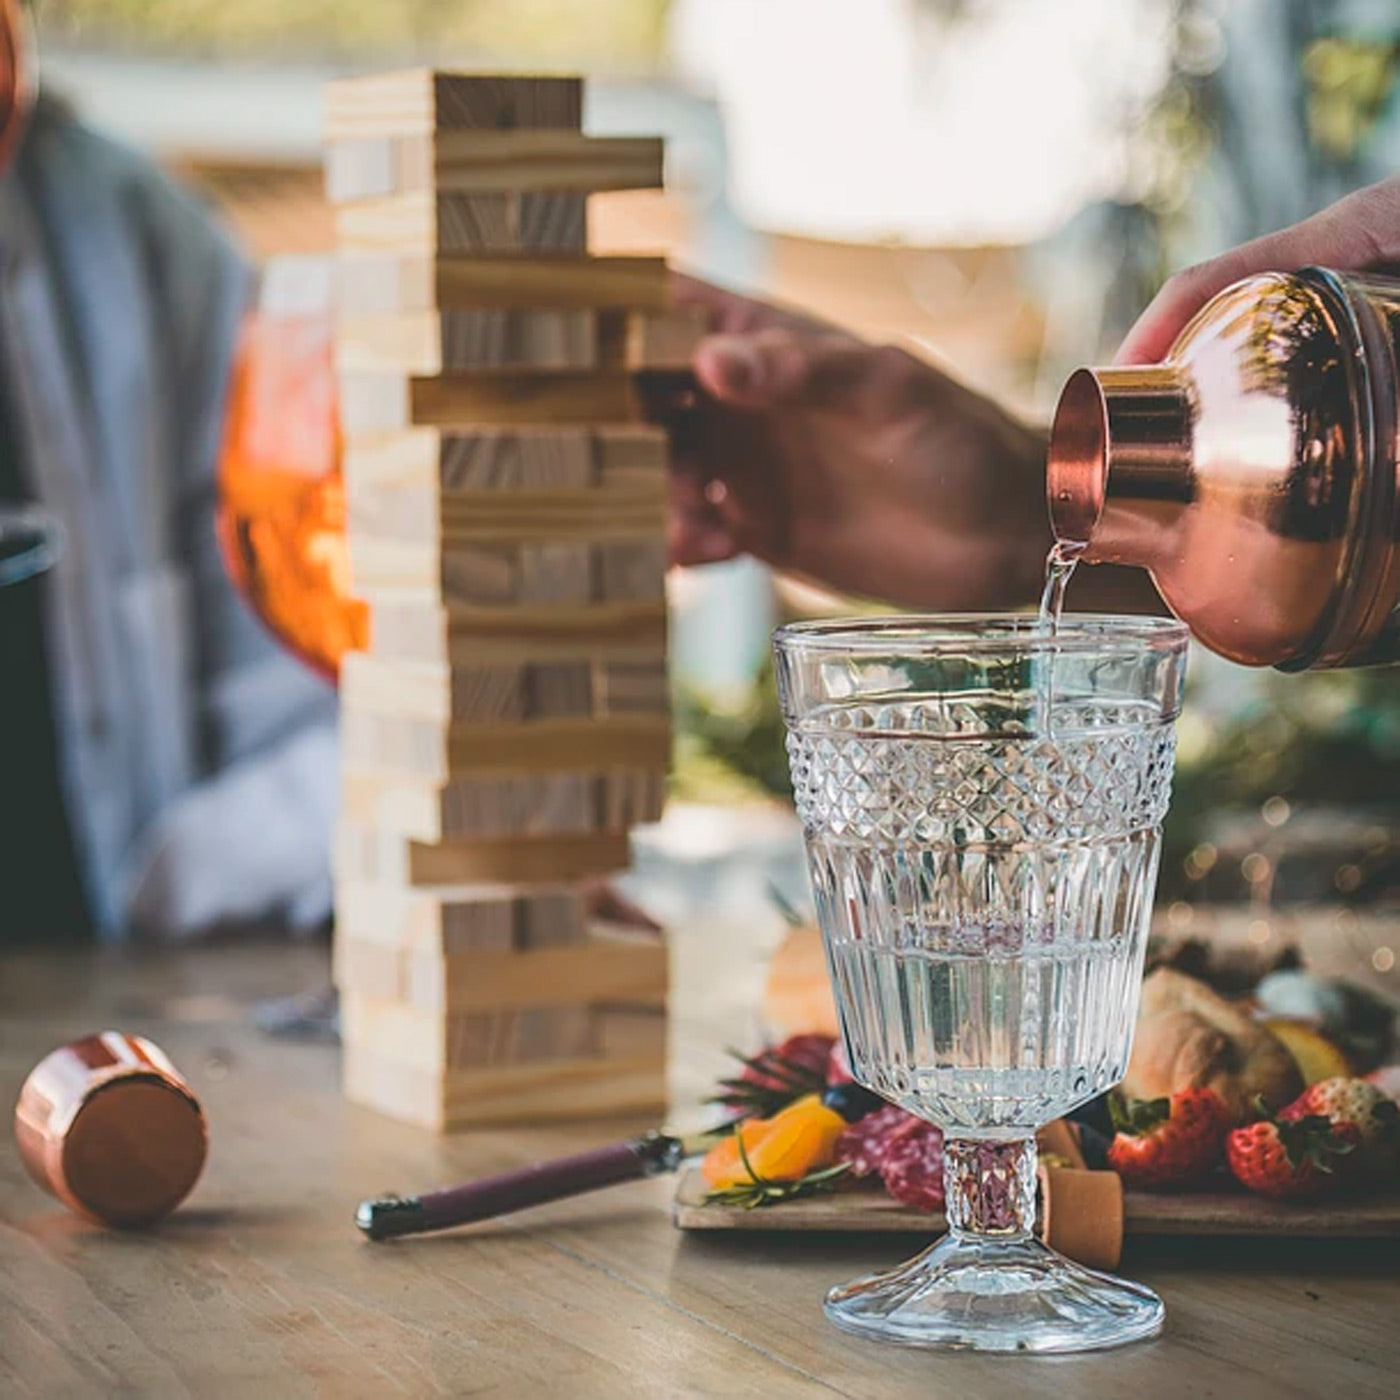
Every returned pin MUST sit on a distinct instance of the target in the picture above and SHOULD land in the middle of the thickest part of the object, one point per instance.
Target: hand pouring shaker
(1253, 472)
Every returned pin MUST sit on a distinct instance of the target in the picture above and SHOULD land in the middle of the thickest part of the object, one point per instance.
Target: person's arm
(251, 840)
(863, 468)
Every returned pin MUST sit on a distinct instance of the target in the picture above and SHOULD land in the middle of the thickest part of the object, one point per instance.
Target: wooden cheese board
(868, 1210)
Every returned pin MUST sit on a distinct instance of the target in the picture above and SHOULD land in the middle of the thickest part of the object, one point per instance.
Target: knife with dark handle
(387, 1217)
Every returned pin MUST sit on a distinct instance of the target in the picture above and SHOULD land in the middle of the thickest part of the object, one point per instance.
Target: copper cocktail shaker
(1253, 472)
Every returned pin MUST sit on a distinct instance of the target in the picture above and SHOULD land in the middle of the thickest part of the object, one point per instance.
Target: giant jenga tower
(509, 720)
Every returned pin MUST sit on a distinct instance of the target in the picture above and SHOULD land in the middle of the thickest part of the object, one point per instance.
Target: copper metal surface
(107, 1125)
(1253, 472)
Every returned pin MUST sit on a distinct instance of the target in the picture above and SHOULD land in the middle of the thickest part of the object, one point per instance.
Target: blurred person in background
(165, 767)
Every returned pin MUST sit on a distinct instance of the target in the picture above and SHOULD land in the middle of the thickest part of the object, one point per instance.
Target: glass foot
(996, 1295)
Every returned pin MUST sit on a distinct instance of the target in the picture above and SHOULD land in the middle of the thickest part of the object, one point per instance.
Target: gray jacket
(198, 759)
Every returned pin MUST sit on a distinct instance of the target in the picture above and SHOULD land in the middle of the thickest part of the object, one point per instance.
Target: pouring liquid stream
(1059, 569)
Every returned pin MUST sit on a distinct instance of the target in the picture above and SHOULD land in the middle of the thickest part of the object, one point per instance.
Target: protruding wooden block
(428, 224)
(428, 749)
(366, 855)
(474, 161)
(485, 398)
(506, 398)
(380, 284)
(416, 101)
(492, 637)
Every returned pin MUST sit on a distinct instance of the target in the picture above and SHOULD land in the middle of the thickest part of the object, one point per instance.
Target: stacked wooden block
(509, 722)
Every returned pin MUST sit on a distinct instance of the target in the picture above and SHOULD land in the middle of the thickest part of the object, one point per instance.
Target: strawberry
(1359, 1110)
(1289, 1160)
(1168, 1142)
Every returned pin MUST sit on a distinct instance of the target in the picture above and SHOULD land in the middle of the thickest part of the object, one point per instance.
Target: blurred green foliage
(607, 34)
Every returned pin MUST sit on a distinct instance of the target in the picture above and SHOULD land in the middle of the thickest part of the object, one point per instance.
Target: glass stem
(990, 1188)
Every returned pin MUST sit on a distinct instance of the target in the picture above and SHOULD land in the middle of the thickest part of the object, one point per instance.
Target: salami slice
(865, 1143)
(912, 1168)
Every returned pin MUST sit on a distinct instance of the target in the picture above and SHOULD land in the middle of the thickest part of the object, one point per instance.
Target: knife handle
(389, 1216)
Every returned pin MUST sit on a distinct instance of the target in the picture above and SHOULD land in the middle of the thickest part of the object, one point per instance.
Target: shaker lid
(107, 1125)
(133, 1151)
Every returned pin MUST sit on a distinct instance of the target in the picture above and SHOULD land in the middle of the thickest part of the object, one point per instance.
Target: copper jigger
(108, 1126)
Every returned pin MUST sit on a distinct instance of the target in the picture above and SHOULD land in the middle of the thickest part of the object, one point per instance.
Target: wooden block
(366, 855)
(532, 547)
(454, 920)
(428, 224)
(634, 512)
(551, 573)
(522, 460)
(563, 690)
(375, 285)
(492, 637)
(546, 804)
(631, 1032)
(664, 339)
(420, 100)
(553, 1090)
(423, 460)
(404, 568)
(472, 161)
(485, 398)
(551, 920)
(428, 749)
(594, 972)
(506, 398)
(373, 969)
(631, 797)
(436, 693)
(430, 1040)
(631, 454)
(631, 570)
(631, 687)
(547, 222)
(373, 403)
(431, 342)
(549, 804)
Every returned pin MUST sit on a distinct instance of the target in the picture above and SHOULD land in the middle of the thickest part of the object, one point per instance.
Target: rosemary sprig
(760, 1191)
(781, 1083)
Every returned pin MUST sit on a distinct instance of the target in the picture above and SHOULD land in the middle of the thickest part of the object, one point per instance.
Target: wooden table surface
(261, 1286)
